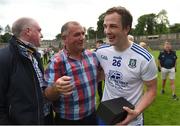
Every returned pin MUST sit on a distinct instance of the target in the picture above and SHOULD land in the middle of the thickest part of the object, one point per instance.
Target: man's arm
(144, 103)
(100, 74)
(159, 65)
(175, 62)
(159, 61)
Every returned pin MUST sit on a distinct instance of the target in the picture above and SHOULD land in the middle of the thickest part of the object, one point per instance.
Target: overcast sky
(52, 14)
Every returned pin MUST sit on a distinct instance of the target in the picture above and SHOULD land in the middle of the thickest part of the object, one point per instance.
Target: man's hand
(132, 114)
(63, 85)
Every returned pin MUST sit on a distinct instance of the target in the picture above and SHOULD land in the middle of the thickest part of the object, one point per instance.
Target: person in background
(41, 54)
(167, 63)
(131, 38)
(127, 66)
(21, 76)
(143, 44)
(72, 79)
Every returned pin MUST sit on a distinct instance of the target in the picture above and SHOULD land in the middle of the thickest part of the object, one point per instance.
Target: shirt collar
(68, 55)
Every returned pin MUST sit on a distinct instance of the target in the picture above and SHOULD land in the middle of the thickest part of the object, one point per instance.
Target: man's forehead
(76, 28)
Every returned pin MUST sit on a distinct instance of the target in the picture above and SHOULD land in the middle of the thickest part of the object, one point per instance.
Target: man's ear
(27, 31)
(63, 37)
(128, 29)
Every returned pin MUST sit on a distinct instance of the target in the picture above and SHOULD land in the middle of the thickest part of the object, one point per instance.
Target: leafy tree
(58, 36)
(162, 23)
(146, 25)
(132, 31)
(175, 28)
(7, 29)
(5, 38)
(1, 29)
(1, 40)
(100, 28)
(91, 33)
(150, 24)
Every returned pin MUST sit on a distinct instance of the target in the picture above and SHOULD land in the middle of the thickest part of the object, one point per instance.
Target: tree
(5, 38)
(175, 28)
(100, 29)
(1, 29)
(7, 29)
(139, 28)
(146, 25)
(58, 36)
(91, 33)
(1, 40)
(162, 23)
(150, 24)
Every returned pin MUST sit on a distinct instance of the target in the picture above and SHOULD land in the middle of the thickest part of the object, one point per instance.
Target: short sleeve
(149, 70)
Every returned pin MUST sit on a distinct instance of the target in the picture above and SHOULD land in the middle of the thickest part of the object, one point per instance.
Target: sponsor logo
(115, 80)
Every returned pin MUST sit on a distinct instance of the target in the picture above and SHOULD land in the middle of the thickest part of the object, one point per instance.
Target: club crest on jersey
(104, 57)
(132, 63)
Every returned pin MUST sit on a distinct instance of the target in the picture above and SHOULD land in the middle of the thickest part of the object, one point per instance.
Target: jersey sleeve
(149, 70)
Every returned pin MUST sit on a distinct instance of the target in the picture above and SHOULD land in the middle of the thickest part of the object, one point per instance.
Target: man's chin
(81, 49)
(111, 43)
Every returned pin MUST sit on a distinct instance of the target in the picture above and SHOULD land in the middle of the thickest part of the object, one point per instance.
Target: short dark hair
(125, 14)
(100, 41)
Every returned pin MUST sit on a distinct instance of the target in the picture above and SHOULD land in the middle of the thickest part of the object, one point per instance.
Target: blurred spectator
(167, 63)
(143, 44)
(131, 38)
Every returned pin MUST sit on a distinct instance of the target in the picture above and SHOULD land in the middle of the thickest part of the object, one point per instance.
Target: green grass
(164, 110)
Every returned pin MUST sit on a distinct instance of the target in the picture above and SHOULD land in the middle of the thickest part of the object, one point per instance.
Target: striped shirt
(81, 103)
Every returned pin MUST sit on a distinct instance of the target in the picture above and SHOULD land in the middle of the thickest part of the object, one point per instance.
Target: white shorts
(165, 72)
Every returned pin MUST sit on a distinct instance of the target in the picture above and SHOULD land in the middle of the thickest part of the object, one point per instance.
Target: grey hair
(21, 24)
(65, 27)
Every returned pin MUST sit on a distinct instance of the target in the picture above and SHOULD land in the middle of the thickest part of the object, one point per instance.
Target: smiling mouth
(111, 38)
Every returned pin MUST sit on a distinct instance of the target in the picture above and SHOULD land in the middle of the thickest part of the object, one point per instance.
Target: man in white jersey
(127, 66)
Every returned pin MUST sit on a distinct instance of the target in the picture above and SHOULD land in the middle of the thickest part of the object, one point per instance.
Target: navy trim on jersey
(143, 50)
(103, 46)
(140, 50)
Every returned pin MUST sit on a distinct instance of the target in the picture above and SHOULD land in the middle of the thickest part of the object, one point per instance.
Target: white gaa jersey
(125, 71)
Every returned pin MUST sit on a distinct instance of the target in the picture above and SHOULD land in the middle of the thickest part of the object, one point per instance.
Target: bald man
(21, 76)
